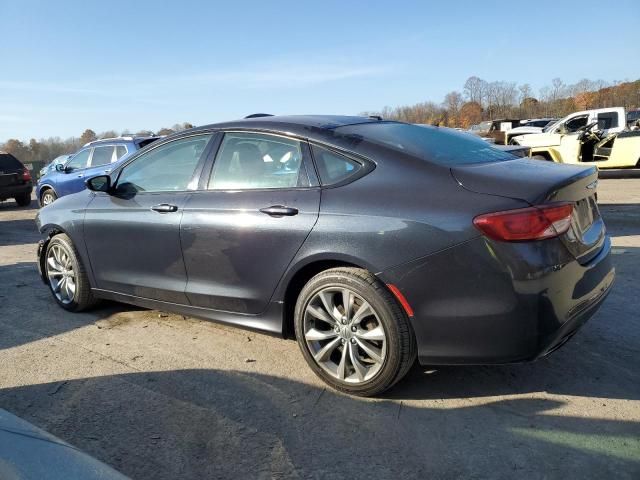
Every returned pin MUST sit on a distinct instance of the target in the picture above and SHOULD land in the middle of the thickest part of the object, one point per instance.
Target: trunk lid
(538, 182)
(10, 179)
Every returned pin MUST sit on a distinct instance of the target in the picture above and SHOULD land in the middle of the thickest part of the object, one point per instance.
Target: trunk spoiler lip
(580, 174)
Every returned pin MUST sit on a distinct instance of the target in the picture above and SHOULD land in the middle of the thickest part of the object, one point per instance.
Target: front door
(242, 230)
(133, 234)
(71, 180)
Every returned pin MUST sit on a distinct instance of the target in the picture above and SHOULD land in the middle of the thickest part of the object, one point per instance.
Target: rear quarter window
(443, 146)
(9, 163)
(333, 167)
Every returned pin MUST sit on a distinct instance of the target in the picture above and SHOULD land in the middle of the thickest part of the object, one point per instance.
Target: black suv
(15, 180)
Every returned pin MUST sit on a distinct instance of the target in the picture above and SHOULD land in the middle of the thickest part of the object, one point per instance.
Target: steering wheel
(586, 132)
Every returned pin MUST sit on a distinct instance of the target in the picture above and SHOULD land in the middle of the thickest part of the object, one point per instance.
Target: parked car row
(604, 137)
(595, 137)
(373, 243)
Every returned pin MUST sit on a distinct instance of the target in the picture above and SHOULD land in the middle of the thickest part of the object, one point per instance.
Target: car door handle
(279, 211)
(164, 208)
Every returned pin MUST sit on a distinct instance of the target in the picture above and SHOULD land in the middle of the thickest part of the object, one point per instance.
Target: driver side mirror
(562, 129)
(101, 183)
(59, 167)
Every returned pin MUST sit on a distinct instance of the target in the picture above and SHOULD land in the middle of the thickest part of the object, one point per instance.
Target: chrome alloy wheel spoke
(344, 335)
(59, 270)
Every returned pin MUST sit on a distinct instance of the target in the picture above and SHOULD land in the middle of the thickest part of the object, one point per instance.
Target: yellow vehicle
(613, 150)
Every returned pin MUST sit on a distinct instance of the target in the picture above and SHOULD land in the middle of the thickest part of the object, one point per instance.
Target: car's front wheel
(66, 275)
(48, 197)
(352, 332)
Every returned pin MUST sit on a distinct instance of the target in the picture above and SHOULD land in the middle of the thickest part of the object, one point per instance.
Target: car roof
(302, 125)
(115, 140)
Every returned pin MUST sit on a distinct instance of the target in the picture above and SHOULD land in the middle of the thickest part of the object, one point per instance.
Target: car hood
(29, 452)
(537, 139)
(526, 130)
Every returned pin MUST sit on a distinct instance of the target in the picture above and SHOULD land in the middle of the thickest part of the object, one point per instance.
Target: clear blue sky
(70, 65)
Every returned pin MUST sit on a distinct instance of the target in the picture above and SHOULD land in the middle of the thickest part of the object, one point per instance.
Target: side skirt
(269, 322)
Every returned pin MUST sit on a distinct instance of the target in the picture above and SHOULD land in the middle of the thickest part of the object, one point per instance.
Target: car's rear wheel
(48, 197)
(66, 275)
(352, 332)
(24, 199)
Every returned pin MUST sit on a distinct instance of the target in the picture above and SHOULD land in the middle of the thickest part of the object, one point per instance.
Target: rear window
(9, 163)
(121, 151)
(607, 120)
(438, 145)
(101, 156)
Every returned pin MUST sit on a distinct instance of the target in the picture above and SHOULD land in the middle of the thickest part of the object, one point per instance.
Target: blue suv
(92, 159)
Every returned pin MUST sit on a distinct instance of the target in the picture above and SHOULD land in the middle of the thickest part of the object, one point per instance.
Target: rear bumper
(15, 190)
(485, 302)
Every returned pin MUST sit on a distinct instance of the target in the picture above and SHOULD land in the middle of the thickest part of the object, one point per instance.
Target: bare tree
(452, 103)
(473, 89)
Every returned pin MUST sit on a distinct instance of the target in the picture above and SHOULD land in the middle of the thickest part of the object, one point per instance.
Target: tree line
(483, 100)
(46, 149)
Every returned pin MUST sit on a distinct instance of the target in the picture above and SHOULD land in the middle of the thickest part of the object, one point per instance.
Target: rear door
(242, 229)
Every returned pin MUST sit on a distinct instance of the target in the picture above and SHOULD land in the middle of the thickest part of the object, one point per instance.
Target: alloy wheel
(47, 198)
(344, 335)
(61, 275)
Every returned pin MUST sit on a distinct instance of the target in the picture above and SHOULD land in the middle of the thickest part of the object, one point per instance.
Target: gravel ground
(159, 396)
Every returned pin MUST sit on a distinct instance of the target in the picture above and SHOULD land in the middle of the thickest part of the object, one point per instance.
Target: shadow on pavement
(29, 312)
(11, 205)
(195, 424)
(18, 232)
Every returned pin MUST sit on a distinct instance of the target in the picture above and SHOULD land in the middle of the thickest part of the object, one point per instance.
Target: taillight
(26, 175)
(533, 223)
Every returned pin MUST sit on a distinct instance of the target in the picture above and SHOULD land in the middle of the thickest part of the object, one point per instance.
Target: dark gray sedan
(371, 242)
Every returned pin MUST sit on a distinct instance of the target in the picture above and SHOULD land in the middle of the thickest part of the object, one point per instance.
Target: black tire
(24, 200)
(400, 340)
(82, 297)
(47, 192)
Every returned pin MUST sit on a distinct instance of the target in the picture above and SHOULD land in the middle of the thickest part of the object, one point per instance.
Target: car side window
(167, 168)
(101, 155)
(247, 161)
(332, 166)
(121, 150)
(79, 160)
(575, 123)
(607, 120)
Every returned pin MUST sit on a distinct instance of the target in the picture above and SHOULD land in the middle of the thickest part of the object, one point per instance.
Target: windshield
(439, 145)
(552, 125)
